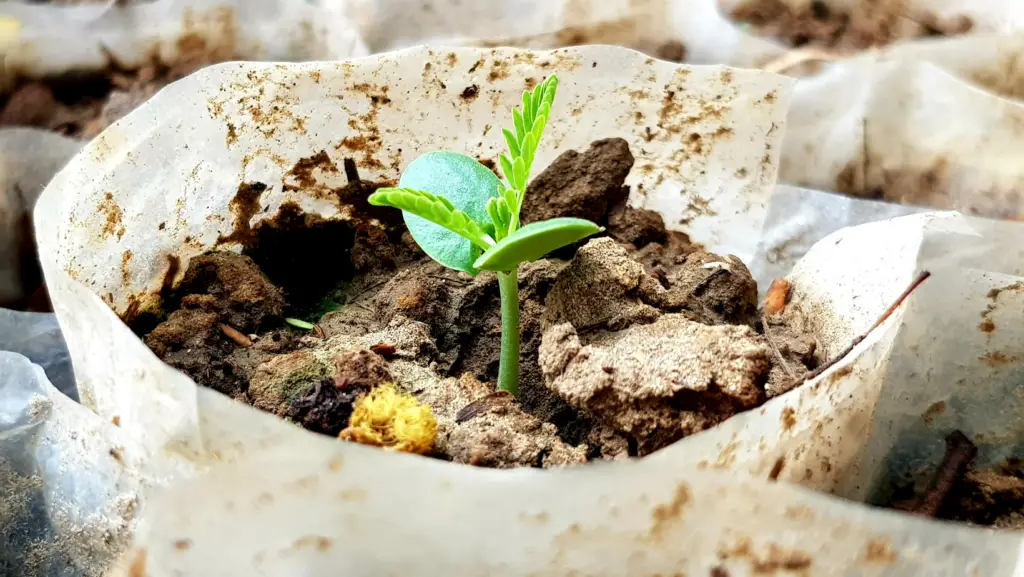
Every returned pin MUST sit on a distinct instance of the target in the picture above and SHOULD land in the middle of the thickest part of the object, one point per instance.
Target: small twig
(457, 281)
(235, 335)
(351, 299)
(888, 312)
(775, 349)
(351, 172)
(798, 56)
(482, 405)
(960, 451)
(704, 283)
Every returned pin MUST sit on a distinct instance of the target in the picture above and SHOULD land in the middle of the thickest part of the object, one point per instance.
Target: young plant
(467, 219)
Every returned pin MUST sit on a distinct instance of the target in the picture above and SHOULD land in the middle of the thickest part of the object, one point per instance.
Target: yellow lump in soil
(386, 418)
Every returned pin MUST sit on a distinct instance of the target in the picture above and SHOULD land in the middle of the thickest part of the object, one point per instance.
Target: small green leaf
(463, 182)
(436, 209)
(511, 197)
(510, 139)
(300, 324)
(527, 110)
(500, 216)
(534, 241)
(517, 121)
(507, 170)
(535, 102)
(529, 151)
(519, 169)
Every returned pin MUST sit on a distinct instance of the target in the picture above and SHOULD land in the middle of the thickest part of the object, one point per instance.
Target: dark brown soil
(871, 23)
(382, 308)
(992, 498)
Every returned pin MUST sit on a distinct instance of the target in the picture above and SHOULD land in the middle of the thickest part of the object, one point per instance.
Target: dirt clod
(668, 379)
(499, 435)
(719, 290)
(232, 286)
(603, 287)
(583, 185)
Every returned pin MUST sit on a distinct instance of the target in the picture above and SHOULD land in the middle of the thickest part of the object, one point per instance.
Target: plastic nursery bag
(252, 123)
(50, 39)
(330, 504)
(405, 103)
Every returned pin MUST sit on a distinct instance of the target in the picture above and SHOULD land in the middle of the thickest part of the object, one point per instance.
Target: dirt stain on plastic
(470, 93)
(879, 551)
(664, 516)
(318, 542)
(244, 205)
(788, 418)
(774, 560)
(933, 411)
(997, 359)
(112, 215)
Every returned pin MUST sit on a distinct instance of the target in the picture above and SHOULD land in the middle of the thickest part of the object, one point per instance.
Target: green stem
(508, 367)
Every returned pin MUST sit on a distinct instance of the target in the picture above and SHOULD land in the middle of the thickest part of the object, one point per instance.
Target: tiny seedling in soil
(467, 219)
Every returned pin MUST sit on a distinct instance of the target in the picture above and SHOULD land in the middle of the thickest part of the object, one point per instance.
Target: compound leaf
(436, 209)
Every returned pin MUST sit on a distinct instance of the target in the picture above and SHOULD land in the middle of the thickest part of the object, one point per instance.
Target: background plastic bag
(51, 39)
(28, 159)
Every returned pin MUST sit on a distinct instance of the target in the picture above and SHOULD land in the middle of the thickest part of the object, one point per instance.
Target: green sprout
(467, 219)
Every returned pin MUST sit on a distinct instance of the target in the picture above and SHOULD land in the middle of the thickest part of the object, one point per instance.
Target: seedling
(467, 219)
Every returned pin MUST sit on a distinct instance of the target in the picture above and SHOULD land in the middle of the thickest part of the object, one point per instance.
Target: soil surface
(630, 342)
(870, 23)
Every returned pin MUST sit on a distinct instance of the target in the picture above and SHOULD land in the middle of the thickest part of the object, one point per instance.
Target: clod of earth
(643, 337)
(658, 382)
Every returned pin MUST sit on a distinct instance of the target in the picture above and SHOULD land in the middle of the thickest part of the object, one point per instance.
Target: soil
(83, 105)
(991, 497)
(870, 23)
(629, 342)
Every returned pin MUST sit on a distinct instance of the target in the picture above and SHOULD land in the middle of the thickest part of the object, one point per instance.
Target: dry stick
(960, 451)
(775, 348)
(895, 305)
(235, 335)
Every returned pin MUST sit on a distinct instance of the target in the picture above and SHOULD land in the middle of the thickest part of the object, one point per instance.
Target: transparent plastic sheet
(67, 498)
(50, 39)
(37, 337)
(817, 432)
(28, 159)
